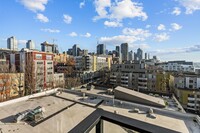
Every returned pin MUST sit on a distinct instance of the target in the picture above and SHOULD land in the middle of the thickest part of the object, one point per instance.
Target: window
(39, 62)
(191, 86)
(190, 81)
(49, 62)
(49, 73)
(38, 56)
(48, 57)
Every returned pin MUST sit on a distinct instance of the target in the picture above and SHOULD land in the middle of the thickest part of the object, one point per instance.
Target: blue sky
(166, 28)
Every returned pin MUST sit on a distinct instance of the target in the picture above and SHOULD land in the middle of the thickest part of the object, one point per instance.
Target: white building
(177, 66)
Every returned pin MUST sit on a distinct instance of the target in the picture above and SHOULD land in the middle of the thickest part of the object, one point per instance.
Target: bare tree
(29, 68)
(4, 81)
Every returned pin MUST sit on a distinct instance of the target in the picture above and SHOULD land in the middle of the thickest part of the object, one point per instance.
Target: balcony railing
(140, 78)
(124, 77)
(142, 87)
(191, 98)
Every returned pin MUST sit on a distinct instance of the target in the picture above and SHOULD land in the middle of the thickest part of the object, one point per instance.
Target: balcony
(142, 87)
(114, 80)
(191, 104)
(126, 85)
(142, 83)
(191, 98)
(140, 78)
(113, 76)
(124, 81)
(191, 108)
(124, 77)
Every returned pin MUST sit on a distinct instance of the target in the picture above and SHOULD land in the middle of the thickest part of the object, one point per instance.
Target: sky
(169, 29)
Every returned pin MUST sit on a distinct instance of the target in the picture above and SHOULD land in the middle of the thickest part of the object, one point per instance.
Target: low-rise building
(140, 76)
(177, 66)
(187, 90)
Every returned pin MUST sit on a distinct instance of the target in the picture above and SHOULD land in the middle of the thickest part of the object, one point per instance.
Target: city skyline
(169, 30)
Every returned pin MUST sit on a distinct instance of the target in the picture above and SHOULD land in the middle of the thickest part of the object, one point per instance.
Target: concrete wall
(136, 99)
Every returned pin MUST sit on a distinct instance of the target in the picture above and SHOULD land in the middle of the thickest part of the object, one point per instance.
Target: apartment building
(38, 68)
(187, 90)
(140, 76)
(177, 66)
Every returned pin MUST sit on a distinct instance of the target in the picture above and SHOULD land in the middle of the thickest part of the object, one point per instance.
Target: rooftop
(66, 110)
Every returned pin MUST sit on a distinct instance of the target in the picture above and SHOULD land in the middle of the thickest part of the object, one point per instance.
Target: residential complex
(188, 91)
(140, 76)
(177, 66)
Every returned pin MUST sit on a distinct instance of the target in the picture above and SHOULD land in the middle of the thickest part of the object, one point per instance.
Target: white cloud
(100, 6)
(22, 41)
(113, 24)
(115, 40)
(161, 37)
(148, 26)
(176, 11)
(161, 27)
(73, 34)
(129, 35)
(176, 26)
(34, 5)
(42, 18)
(190, 5)
(139, 33)
(127, 9)
(118, 10)
(87, 35)
(50, 30)
(189, 49)
(82, 4)
(67, 19)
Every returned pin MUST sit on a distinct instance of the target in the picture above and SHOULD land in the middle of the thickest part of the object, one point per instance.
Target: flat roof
(65, 111)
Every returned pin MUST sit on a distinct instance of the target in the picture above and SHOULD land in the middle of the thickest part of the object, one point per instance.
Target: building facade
(140, 76)
(187, 90)
(124, 51)
(38, 69)
(177, 66)
(12, 43)
(47, 47)
(101, 49)
(30, 44)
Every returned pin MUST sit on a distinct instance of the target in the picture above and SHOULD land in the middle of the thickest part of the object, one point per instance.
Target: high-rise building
(101, 49)
(30, 44)
(139, 54)
(124, 51)
(47, 47)
(12, 43)
(118, 51)
(130, 55)
(145, 56)
(75, 50)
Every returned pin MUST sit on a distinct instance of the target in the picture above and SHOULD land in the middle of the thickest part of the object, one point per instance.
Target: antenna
(97, 40)
(53, 40)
